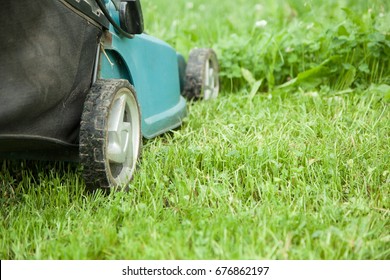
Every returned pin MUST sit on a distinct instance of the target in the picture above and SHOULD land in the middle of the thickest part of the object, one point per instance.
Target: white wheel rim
(123, 136)
(211, 82)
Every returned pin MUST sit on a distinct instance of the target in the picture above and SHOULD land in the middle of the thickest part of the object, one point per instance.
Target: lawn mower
(81, 81)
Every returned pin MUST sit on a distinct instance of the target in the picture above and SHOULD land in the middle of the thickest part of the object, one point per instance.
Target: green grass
(268, 171)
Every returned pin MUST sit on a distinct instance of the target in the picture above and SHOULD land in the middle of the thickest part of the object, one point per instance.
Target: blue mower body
(151, 66)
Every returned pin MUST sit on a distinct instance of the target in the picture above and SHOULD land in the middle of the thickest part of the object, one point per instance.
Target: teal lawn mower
(81, 81)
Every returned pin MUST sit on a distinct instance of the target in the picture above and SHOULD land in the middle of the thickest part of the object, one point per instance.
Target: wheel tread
(92, 132)
(195, 72)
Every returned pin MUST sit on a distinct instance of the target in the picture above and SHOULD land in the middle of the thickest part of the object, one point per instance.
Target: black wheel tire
(110, 135)
(202, 79)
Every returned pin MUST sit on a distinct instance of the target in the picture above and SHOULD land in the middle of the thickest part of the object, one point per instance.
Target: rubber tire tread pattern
(195, 72)
(93, 132)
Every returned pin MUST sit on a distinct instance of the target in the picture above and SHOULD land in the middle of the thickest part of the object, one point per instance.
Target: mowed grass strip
(299, 176)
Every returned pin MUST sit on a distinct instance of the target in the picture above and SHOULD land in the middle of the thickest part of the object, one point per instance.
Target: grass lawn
(292, 161)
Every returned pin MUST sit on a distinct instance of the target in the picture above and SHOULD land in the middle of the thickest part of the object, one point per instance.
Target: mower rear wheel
(202, 75)
(110, 134)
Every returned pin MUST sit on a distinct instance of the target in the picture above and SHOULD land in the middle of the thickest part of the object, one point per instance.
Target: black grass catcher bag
(47, 61)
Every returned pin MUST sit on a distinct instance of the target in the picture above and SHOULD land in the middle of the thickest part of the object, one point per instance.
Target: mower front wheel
(202, 75)
(110, 134)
